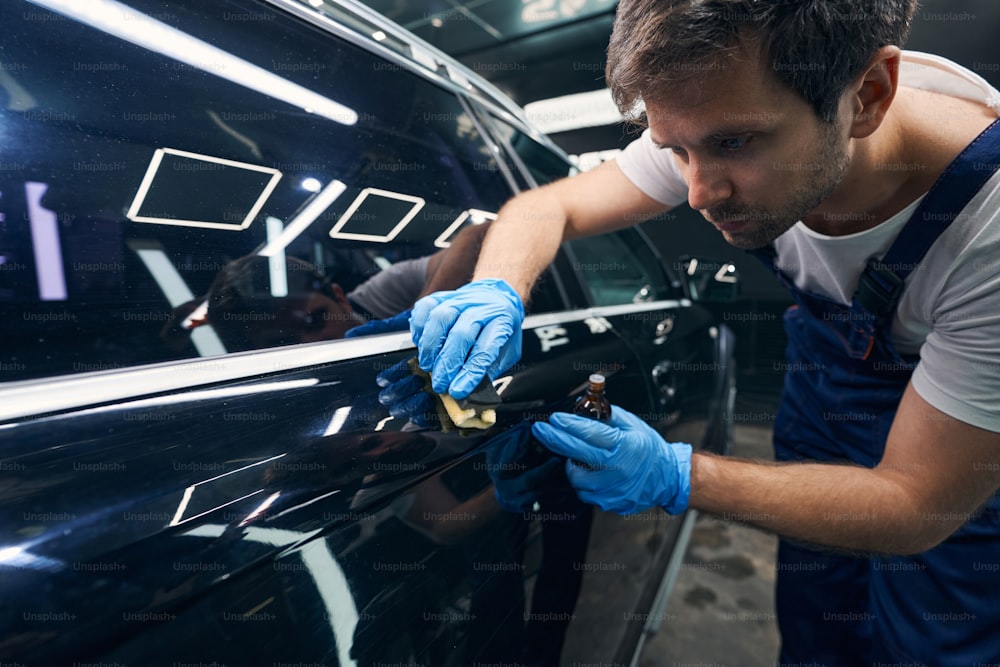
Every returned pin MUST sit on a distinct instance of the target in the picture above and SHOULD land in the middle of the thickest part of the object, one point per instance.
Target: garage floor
(721, 611)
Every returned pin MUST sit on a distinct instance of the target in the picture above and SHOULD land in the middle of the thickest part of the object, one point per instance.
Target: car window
(544, 164)
(618, 268)
(191, 179)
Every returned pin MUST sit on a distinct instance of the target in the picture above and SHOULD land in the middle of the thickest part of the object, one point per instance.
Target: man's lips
(730, 225)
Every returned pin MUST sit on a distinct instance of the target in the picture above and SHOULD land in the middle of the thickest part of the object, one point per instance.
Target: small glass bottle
(593, 403)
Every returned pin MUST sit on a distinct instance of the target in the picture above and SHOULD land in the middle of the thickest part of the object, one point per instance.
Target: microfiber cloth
(476, 411)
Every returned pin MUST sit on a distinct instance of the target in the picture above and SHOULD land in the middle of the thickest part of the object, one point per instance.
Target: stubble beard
(765, 226)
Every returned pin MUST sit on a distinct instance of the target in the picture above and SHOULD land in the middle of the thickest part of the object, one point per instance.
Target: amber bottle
(593, 403)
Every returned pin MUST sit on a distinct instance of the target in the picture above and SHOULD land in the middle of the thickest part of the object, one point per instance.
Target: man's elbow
(928, 529)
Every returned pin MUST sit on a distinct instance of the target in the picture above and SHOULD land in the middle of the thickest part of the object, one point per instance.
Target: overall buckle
(879, 289)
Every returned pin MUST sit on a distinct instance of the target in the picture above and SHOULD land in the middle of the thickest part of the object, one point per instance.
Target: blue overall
(843, 384)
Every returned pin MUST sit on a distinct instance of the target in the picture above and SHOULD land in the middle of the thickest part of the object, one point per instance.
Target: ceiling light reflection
(311, 184)
(300, 222)
(189, 492)
(45, 244)
(331, 581)
(133, 26)
(338, 420)
(212, 394)
(473, 215)
(261, 509)
(10, 553)
(276, 262)
(336, 233)
(154, 167)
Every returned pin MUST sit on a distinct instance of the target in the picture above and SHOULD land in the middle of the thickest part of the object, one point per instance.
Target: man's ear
(872, 93)
(336, 292)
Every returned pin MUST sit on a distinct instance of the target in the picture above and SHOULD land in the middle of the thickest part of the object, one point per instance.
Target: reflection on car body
(196, 202)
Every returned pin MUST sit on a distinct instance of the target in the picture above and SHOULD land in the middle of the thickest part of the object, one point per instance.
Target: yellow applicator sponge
(475, 412)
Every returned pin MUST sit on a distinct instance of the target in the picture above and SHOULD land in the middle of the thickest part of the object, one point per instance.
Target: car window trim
(508, 149)
(486, 122)
(580, 282)
(665, 266)
(328, 24)
(491, 142)
(557, 280)
(44, 396)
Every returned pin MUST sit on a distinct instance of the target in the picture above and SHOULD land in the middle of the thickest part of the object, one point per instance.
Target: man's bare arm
(529, 229)
(935, 473)
(462, 336)
(452, 267)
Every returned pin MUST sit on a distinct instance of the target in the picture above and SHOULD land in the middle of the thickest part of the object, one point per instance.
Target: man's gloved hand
(465, 334)
(392, 324)
(626, 466)
(403, 392)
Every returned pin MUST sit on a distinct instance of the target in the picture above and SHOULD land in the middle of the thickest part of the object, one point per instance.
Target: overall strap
(882, 282)
(767, 254)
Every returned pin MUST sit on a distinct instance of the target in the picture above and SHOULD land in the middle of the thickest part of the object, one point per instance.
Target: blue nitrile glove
(521, 477)
(392, 324)
(403, 392)
(468, 333)
(632, 468)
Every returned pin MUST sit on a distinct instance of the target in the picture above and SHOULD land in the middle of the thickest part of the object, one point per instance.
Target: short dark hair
(817, 47)
(241, 305)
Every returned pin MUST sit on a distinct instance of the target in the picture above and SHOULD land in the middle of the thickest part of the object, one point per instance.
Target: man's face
(754, 154)
(318, 317)
(306, 317)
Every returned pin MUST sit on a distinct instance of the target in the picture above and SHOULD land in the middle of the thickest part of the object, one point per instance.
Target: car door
(677, 341)
(196, 466)
(184, 186)
(678, 378)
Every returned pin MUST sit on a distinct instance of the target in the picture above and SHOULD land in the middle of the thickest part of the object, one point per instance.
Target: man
(241, 306)
(802, 132)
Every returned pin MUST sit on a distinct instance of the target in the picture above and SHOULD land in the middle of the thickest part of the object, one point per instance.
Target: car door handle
(663, 329)
(665, 380)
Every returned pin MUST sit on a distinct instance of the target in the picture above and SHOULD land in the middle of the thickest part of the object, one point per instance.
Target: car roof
(359, 24)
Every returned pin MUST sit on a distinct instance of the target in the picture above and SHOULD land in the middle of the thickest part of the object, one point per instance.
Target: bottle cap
(596, 378)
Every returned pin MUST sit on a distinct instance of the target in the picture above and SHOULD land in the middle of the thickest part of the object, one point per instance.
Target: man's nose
(708, 185)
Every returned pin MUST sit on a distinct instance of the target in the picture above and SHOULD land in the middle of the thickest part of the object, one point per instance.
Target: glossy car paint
(264, 508)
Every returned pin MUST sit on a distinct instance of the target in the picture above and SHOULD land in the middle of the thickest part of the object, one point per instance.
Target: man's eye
(315, 319)
(733, 143)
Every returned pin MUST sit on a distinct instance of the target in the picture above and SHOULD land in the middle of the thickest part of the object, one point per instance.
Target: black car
(198, 200)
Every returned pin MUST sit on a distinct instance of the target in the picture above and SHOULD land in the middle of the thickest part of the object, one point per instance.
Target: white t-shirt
(393, 289)
(950, 310)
